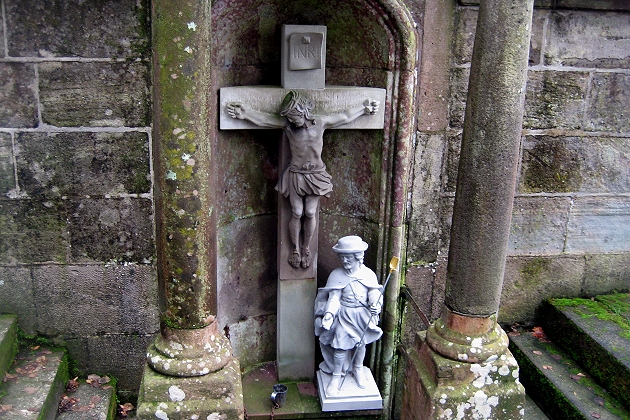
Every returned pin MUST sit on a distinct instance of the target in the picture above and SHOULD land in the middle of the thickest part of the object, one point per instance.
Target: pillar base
(437, 387)
(217, 395)
(189, 352)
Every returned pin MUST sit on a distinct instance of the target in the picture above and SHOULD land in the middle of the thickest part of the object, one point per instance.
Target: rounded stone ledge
(189, 352)
(470, 349)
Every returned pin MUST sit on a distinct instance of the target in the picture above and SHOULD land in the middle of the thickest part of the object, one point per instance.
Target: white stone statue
(304, 180)
(347, 313)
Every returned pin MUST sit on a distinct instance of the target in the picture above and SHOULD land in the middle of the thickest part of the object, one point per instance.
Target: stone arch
(245, 40)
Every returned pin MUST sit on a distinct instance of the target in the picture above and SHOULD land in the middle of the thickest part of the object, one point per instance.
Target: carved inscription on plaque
(306, 51)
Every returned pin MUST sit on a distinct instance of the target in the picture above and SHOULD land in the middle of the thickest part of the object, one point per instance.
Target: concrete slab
(560, 386)
(34, 385)
(90, 404)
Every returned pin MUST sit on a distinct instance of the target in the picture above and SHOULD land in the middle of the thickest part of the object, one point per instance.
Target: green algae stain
(533, 269)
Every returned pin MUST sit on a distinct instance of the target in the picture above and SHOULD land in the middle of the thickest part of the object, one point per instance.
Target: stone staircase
(35, 379)
(576, 364)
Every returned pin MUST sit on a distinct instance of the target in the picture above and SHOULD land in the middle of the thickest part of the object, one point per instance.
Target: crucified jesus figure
(304, 180)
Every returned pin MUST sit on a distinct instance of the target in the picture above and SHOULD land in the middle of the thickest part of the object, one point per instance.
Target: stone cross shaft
(302, 108)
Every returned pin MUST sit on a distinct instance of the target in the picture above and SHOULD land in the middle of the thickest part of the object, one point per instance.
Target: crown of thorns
(294, 102)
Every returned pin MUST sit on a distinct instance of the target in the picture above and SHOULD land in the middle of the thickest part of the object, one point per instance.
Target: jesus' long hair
(296, 104)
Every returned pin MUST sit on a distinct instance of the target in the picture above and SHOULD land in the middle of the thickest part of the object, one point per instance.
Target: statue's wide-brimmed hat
(350, 244)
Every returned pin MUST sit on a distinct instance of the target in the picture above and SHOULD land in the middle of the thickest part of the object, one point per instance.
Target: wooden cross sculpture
(303, 108)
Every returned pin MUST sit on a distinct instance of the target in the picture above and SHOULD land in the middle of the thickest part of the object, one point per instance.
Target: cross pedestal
(303, 58)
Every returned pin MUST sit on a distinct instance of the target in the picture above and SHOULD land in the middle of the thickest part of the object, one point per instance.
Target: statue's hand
(375, 309)
(236, 110)
(327, 321)
(371, 106)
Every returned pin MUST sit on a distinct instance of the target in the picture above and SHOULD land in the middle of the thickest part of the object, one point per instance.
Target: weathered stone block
(536, 43)
(83, 164)
(247, 267)
(582, 164)
(599, 225)
(538, 225)
(123, 356)
(459, 90)
(550, 164)
(529, 281)
(465, 35)
(7, 172)
(451, 164)
(110, 28)
(466, 25)
(111, 230)
(80, 301)
(424, 219)
(555, 99)
(618, 5)
(32, 232)
(17, 95)
(608, 37)
(419, 281)
(605, 273)
(95, 94)
(609, 102)
(254, 339)
(16, 297)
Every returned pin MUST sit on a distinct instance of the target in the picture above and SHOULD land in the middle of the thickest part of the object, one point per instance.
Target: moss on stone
(533, 269)
(587, 308)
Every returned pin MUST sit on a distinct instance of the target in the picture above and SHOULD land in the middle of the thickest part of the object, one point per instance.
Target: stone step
(559, 385)
(34, 384)
(8, 342)
(596, 334)
(88, 403)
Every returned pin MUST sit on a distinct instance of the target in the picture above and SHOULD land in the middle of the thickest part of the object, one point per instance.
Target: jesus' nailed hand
(304, 180)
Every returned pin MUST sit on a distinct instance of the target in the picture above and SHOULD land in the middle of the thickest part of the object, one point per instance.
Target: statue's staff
(393, 266)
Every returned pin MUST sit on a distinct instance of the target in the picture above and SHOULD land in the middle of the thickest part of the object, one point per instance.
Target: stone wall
(76, 202)
(571, 217)
(77, 248)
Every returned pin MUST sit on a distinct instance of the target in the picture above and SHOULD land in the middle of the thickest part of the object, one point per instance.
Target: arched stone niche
(369, 43)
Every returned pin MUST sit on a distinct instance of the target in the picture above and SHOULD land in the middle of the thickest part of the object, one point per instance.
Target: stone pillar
(190, 371)
(462, 367)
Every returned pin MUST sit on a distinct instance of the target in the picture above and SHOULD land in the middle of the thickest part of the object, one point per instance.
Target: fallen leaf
(537, 352)
(95, 399)
(581, 374)
(575, 377)
(4, 408)
(124, 408)
(596, 415)
(30, 390)
(600, 401)
(556, 357)
(41, 359)
(8, 377)
(107, 387)
(103, 380)
(35, 347)
(547, 367)
(72, 385)
(538, 332)
(514, 333)
(66, 403)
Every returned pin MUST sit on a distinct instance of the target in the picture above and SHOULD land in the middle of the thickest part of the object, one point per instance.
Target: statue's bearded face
(297, 120)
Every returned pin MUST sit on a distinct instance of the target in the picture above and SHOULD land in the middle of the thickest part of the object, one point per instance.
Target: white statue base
(350, 397)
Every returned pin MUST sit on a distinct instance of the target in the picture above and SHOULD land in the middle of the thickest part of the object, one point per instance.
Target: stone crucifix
(303, 108)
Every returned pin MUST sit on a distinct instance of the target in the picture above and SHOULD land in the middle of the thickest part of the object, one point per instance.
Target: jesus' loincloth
(315, 181)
